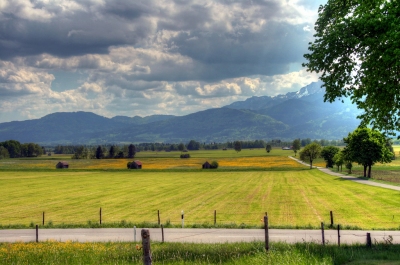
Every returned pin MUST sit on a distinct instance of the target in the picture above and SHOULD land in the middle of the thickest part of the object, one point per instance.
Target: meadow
(245, 186)
(187, 253)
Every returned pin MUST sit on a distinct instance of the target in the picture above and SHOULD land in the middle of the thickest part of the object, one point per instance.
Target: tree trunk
(369, 171)
(310, 163)
(365, 171)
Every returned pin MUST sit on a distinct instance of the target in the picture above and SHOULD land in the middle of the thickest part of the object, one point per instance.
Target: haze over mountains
(301, 114)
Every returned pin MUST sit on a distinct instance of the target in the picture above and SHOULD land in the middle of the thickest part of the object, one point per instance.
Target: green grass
(301, 198)
(189, 253)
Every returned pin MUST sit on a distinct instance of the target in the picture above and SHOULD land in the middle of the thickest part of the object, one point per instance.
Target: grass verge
(190, 253)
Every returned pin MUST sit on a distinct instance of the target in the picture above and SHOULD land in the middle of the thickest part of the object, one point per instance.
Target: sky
(139, 58)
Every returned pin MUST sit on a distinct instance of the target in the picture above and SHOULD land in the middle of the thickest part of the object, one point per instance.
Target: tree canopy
(238, 146)
(310, 152)
(357, 51)
(131, 151)
(328, 152)
(296, 145)
(366, 147)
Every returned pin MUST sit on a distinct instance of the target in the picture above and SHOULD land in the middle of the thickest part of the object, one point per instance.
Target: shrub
(129, 164)
(185, 155)
(214, 164)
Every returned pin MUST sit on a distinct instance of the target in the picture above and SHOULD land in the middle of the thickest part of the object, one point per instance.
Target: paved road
(361, 181)
(194, 235)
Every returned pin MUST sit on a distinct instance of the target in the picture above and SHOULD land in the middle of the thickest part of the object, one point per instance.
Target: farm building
(135, 165)
(206, 165)
(62, 164)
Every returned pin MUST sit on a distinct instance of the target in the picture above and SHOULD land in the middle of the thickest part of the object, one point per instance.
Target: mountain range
(301, 114)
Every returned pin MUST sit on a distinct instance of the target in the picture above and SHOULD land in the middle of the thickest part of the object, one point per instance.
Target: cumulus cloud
(149, 57)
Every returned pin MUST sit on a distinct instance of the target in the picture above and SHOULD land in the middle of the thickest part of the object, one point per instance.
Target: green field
(296, 197)
(245, 186)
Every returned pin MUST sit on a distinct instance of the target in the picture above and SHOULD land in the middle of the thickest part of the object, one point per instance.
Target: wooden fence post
(323, 233)
(146, 247)
(162, 233)
(215, 217)
(100, 215)
(331, 219)
(266, 232)
(338, 234)
(43, 219)
(158, 213)
(37, 233)
(369, 242)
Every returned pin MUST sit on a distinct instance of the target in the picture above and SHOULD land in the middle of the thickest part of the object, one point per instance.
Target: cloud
(149, 57)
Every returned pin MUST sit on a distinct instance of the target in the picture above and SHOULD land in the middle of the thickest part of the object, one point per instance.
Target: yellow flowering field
(157, 163)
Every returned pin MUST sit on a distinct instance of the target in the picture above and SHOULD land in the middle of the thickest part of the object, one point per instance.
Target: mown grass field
(292, 197)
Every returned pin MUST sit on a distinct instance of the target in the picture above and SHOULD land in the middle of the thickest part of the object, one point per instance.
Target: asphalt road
(358, 180)
(194, 235)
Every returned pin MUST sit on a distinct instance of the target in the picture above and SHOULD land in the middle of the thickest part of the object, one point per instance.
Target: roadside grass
(297, 198)
(190, 253)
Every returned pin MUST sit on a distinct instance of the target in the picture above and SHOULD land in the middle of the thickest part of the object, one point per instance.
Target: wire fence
(64, 217)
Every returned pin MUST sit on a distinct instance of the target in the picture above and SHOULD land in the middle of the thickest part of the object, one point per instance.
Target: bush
(185, 155)
(129, 164)
(214, 164)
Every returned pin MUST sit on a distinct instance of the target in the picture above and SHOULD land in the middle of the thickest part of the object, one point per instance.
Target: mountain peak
(256, 103)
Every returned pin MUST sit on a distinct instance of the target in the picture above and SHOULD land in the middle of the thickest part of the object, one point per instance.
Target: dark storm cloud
(221, 55)
(129, 10)
(72, 33)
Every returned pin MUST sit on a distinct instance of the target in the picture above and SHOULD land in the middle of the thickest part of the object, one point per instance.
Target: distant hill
(301, 114)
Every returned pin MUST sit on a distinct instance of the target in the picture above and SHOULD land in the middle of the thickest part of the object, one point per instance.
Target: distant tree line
(118, 151)
(14, 149)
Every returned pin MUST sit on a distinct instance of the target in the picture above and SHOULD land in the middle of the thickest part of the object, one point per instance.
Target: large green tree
(328, 152)
(310, 152)
(356, 50)
(366, 147)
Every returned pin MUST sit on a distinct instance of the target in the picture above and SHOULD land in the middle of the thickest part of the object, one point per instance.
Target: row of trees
(363, 146)
(14, 149)
(83, 152)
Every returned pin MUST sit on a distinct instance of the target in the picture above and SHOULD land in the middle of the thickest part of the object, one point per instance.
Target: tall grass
(190, 253)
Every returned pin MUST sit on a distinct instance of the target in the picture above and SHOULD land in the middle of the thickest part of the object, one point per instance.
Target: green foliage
(181, 147)
(338, 159)
(193, 145)
(310, 152)
(214, 164)
(128, 165)
(131, 151)
(238, 146)
(185, 156)
(99, 152)
(296, 145)
(4, 152)
(81, 153)
(356, 50)
(268, 148)
(328, 153)
(366, 147)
